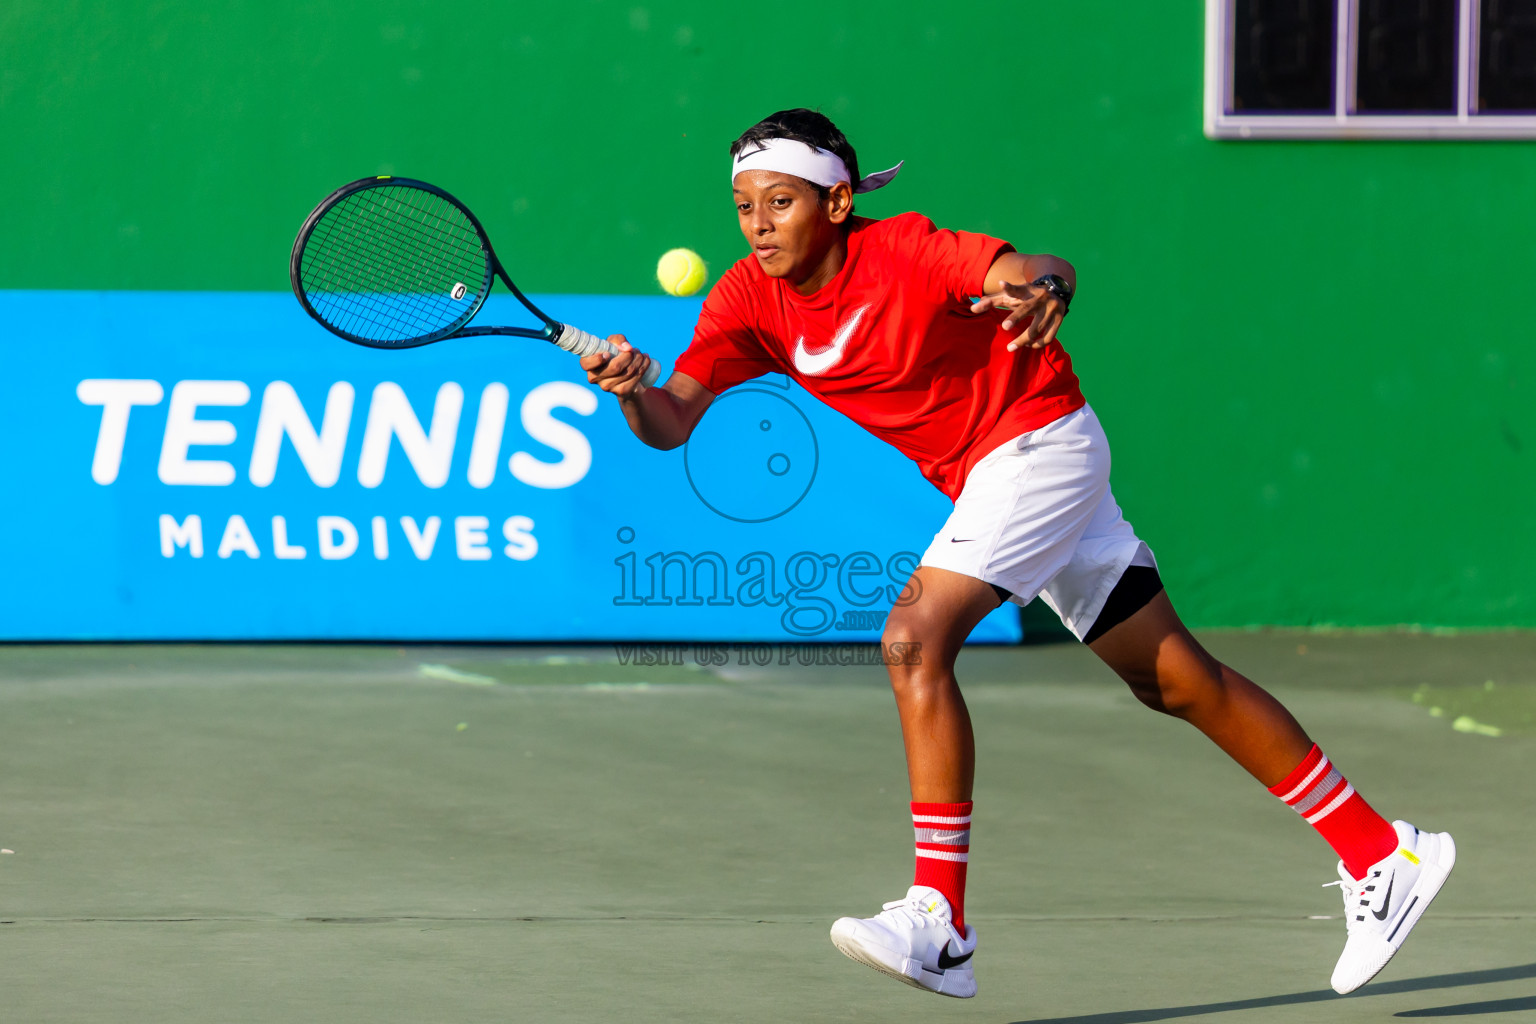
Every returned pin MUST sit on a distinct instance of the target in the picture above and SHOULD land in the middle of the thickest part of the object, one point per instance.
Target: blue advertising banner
(216, 466)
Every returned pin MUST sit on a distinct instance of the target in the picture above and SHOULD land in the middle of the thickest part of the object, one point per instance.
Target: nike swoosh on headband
(816, 165)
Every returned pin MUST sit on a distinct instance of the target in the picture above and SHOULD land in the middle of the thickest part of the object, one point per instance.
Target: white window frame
(1221, 122)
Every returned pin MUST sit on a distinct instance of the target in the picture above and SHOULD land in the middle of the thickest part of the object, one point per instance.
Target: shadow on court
(1468, 1009)
(1437, 981)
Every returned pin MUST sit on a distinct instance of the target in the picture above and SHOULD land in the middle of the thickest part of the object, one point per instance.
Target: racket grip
(579, 342)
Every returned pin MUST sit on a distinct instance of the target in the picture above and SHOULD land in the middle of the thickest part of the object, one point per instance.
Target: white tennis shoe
(914, 940)
(1382, 908)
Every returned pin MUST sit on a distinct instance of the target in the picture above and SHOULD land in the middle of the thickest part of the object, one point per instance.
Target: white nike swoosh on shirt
(821, 362)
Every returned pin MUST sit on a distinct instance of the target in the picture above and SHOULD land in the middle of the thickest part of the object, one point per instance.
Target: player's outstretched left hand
(1036, 304)
(619, 373)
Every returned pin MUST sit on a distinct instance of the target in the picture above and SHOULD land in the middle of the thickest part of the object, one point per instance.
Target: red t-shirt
(891, 343)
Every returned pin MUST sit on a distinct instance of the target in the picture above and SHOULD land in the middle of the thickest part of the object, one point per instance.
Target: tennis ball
(680, 271)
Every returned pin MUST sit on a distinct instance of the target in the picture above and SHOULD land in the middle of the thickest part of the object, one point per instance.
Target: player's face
(792, 230)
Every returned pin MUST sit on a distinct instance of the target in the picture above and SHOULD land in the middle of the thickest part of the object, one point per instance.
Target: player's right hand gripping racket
(395, 263)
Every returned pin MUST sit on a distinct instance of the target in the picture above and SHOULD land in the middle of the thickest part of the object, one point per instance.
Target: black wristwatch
(1057, 286)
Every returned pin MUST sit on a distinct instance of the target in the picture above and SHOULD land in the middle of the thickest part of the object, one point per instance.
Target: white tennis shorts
(1036, 517)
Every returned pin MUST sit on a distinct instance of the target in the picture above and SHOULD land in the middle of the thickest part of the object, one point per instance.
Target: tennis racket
(396, 263)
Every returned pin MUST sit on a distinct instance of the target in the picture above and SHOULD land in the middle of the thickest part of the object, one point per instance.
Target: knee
(913, 659)
(1181, 691)
(1145, 688)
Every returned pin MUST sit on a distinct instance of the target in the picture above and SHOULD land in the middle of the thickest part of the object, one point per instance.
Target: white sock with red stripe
(1317, 792)
(943, 848)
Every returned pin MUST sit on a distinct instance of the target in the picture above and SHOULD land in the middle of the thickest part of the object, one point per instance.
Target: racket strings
(392, 294)
(382, 265)
(391, 308)
(392, 237)
(380, 241)
(385, 303)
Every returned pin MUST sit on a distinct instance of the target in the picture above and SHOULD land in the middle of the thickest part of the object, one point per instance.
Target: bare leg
(1168, 670)
(935, 725)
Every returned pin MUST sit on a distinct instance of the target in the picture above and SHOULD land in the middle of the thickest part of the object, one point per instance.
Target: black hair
(801, 125)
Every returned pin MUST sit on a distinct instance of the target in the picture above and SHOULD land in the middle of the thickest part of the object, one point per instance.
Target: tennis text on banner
(390, 420)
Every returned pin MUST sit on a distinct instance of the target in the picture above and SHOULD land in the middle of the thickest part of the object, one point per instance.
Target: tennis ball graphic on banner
(753, 458)
(681, 272)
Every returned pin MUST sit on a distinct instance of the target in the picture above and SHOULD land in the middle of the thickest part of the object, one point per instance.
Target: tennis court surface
(534, 834)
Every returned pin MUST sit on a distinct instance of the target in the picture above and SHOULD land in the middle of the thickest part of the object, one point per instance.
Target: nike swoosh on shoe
(1386, 902)
(946, 961)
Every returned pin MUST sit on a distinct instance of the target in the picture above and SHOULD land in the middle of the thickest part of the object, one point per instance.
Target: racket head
(391, 263)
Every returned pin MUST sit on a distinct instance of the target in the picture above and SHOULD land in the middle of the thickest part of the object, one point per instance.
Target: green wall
(1314, 359)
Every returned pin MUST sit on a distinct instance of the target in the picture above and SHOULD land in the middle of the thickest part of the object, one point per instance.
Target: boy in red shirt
(876, 318)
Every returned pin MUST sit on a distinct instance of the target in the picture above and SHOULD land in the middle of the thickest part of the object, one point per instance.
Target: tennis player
(943, 343)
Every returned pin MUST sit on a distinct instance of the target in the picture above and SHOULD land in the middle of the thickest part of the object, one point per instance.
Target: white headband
(814, 165)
